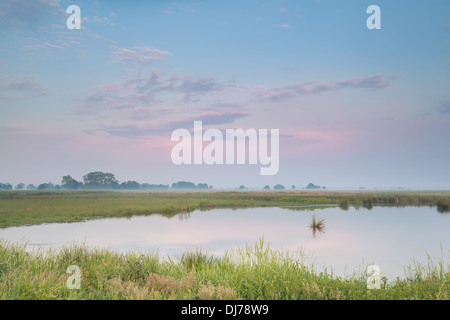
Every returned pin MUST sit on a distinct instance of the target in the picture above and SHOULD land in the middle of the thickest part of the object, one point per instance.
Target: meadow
(249, 273)
(35, 207)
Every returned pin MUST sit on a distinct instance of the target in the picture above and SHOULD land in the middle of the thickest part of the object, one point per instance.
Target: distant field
(35, 207)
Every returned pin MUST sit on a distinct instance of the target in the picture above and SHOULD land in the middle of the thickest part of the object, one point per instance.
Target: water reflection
(390, 237)
(367, 203)
(443, 205)
(317, 226)
(343, 204)
(183, 216)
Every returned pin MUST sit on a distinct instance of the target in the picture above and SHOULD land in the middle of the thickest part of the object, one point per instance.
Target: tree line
(107, 181)
(103, 181)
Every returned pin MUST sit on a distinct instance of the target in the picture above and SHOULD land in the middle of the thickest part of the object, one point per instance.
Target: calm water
(389, 237)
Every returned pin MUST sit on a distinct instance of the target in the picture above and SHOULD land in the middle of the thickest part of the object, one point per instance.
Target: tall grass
(249, 272)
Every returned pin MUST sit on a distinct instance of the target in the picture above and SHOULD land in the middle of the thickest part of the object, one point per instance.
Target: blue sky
(355, 107)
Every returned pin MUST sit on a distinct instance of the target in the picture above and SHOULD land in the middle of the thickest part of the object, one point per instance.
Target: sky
(355, 107)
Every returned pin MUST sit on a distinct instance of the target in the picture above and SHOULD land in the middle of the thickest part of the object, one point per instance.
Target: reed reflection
(317, 226)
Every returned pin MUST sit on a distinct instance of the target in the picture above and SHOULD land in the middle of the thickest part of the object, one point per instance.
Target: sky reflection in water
(389, 237)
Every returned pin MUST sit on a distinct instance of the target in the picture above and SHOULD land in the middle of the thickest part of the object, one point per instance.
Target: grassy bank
(35, 207)
(251, 272)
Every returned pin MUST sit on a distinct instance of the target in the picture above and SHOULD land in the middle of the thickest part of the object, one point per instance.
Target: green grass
(250, 272)
(35, 207)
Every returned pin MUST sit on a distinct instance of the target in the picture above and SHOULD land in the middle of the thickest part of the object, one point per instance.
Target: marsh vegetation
(248, 272)
(35, 207)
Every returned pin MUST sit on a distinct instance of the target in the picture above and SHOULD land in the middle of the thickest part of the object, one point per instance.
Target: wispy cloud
(21, 83)
(19, 88)
(314, 87)
(134, 98)
(101, 20)
(374, 82)
(38, 28)
(282, 26)
(181, 7)
(150, 90)
(444, 108)
(49, 43)
(27, 13)
(209, 118)
(138, 55)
